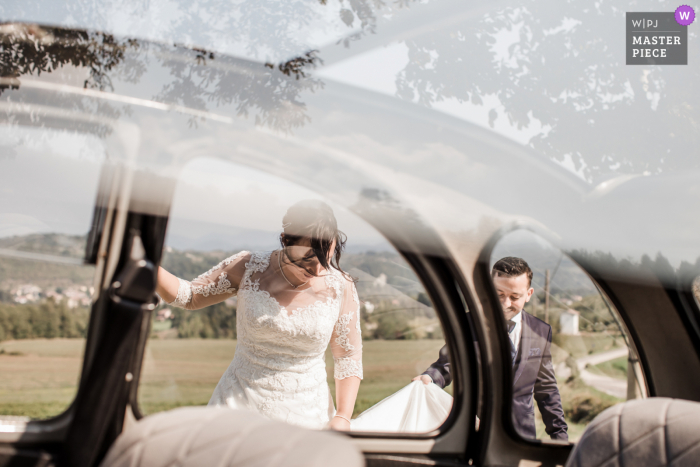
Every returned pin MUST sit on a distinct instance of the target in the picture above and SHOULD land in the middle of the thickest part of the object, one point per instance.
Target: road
(613, 386)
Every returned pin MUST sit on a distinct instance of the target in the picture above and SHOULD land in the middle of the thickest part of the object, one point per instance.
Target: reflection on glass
(571, 357)
(49, 181)
(256, 317)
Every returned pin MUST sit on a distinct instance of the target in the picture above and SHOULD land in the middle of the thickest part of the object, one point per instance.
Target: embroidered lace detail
(223, 286)
(184, 294)
(186, 290)
(334, 282)
(358, 328)
(346, 367)
(343, 330)
(259, 262)
(222, 264)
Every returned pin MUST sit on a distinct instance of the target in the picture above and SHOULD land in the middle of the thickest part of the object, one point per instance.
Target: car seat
(639, 433)
(202, 436)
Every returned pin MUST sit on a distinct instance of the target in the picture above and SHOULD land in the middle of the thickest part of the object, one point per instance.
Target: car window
(49, 183)
(571, 352)
(221, 209)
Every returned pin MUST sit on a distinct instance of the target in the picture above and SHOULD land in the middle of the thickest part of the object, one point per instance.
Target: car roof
(304, 110)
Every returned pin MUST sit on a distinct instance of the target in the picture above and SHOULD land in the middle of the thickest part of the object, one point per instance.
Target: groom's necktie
(513, 351)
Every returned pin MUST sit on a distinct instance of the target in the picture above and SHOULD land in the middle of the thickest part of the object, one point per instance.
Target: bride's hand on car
(425, 378)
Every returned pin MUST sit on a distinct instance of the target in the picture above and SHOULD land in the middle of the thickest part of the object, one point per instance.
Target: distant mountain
(210, 237)
(228, 240)
(20, 262)
(188, 263)
(71, 246)
(566, 276)
(377, 289)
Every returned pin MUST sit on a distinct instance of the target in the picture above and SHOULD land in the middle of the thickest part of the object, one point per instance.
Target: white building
(569, 322)
(27, 293)
(380, 281)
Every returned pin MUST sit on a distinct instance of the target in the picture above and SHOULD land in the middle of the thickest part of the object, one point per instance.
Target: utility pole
(533, 305)
(546, 296)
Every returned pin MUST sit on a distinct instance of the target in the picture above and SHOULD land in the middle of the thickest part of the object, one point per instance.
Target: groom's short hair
(512, 266)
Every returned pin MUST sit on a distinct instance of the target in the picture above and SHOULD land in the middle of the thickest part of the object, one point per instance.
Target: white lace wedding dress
(279, 367)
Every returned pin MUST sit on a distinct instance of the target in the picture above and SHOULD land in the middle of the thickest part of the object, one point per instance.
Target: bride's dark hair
(314, 220)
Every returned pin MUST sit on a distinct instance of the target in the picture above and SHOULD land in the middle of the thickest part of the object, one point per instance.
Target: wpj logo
(658, 38)
(645, 23)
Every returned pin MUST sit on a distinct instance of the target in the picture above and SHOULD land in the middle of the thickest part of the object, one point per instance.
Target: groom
(530, 340)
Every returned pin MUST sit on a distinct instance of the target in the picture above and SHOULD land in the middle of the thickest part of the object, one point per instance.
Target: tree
(213, 322)
(46, 319)
(566, 68)
(199, 79)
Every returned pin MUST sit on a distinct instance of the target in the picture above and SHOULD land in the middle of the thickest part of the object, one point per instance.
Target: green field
(584, 344)
(39, 376)
(185, 371)
(614, 368)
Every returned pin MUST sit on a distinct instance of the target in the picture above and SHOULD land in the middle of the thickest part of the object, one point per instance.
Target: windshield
(434, 125)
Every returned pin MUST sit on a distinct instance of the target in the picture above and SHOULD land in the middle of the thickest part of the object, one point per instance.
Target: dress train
(416, 408)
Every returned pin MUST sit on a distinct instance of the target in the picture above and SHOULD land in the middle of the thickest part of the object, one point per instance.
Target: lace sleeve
(346, 342)
(214, 286)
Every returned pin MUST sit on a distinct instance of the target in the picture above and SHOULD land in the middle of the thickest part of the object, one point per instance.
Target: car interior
(121, 154)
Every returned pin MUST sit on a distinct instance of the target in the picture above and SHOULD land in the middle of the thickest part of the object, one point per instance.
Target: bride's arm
(167, 285)
(214, 286)
(346, 345)
(345, 394)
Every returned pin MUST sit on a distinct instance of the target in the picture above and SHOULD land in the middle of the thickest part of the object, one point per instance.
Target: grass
(39, 376)
(614, 368)
(389, 366)
(581, 405)
(160, 326)
(180, 372)
(583, 344)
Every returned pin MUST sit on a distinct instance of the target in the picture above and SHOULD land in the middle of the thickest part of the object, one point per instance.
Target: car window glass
(221, 209)
(48, 183)
(590, 367)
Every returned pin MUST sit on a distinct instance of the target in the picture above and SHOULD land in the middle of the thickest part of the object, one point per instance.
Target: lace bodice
(287, 330)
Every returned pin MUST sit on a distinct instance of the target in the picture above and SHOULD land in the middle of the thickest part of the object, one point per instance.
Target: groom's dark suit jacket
(533, 375)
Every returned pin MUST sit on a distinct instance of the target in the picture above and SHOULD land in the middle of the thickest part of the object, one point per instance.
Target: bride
(292, 303)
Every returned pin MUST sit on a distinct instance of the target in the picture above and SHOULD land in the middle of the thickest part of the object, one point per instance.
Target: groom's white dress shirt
(517, 331)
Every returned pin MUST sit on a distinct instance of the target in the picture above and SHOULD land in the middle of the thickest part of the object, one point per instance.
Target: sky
(211, 199)
(214, 198)
(217, 204)
(223, 205)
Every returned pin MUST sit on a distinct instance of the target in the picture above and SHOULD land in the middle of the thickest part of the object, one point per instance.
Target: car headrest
(197, 436)
(650, 432)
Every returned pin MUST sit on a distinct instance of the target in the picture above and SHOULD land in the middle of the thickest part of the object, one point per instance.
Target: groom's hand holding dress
(424, 378)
